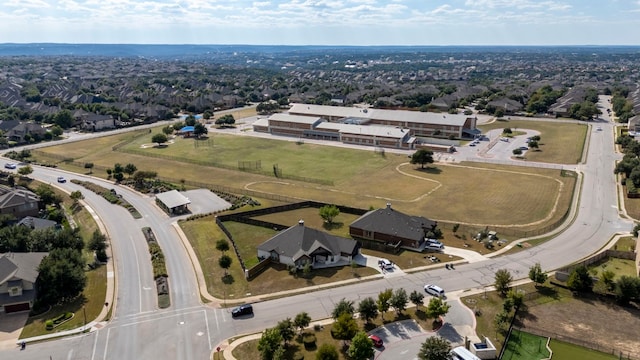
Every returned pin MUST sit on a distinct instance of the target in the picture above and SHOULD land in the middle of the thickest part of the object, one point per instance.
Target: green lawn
(619, 266)
(361, 178)
(565, 351)
(561, 143)
(525, 346)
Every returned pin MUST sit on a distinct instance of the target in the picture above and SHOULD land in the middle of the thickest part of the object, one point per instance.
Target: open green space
(203, 234)
(566, 351)
(525, 346)
(361, 178)
(625, 243)
(561, 143)
(621, 267)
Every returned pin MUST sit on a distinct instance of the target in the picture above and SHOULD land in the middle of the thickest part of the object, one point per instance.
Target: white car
(10, 166)
(434, 290)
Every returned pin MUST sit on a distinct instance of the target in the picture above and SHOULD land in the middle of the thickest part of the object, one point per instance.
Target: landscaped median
(159, 268)
(109, 195)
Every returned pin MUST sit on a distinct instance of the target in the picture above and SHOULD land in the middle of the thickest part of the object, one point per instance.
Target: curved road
(189, 330)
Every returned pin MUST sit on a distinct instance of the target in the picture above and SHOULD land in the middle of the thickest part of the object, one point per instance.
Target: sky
(322, 22)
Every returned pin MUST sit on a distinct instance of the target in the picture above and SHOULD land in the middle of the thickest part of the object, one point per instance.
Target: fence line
(580, 342)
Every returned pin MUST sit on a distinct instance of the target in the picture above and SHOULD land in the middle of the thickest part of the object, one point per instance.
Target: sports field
(471, 193)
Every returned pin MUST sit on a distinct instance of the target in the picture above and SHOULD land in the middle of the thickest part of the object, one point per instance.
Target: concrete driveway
(10, 328)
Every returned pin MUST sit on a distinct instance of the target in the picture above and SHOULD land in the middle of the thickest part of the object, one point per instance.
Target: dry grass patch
(312, 219)
(561, 143)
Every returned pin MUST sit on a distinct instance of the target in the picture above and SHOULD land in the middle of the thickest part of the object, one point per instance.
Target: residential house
(35, 223)
(18, 275)
(21, 132)
(18, 202)
(299, 245)
(388, 229)
(96, 122)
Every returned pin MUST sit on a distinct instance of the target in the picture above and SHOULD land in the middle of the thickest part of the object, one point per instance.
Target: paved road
(188, 330)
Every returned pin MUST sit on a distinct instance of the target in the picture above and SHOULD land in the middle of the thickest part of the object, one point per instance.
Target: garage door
(16, 307)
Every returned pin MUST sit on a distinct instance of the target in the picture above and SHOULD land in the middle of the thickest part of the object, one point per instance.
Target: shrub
(309, 341)
(49, 324)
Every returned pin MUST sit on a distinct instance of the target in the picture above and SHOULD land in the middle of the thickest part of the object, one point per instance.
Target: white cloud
(27, 4)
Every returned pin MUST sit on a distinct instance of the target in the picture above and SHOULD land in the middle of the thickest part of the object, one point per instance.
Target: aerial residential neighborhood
(367, 203)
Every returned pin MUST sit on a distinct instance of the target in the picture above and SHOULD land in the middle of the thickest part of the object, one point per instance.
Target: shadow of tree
(430, 170)
(332, 226)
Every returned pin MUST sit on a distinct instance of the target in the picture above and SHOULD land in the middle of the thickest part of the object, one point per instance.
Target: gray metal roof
(173, 199)
(300, 119)
(379, 114)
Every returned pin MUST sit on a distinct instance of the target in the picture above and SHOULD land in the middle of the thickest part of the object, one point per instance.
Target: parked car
(385, 264)
(377, 342)
(435, 246)
(61, 179)
(242, 310)
(10, 166)
(523, 148)
(434, 290)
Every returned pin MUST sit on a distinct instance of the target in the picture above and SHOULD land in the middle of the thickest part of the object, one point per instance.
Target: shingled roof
(299, 240)
(392, 222)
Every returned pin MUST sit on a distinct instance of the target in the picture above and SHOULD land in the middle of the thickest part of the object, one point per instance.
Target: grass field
(565, 351)
(561, 143)
(474, 193)
(525, 346)
(619, 266)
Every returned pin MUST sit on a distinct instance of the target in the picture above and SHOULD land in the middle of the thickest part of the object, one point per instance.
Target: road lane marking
(206, 322)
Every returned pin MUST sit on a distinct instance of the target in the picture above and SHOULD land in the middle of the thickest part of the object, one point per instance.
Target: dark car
(242, 310)
(377, 342)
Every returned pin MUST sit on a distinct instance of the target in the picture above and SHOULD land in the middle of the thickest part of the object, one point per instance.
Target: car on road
(599, 128)
(524, 148)
(434, 290)
(377, 342)
(61, 179)
(472, 144)
(242, 310)
(10, 166)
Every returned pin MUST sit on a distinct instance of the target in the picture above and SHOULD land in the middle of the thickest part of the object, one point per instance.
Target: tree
(399, 300)
(61, 276)
(627, 288)
(503, 281)
(537, 275)
(327, 352)
(190, 120)
(417, 298)
(517, 152)
(368, 309)
(118, 176)
(287, 331)
(579, 279)
(507, 131)
(89, 166)
(25, 170)
(435, 348)
(422, 156)
(361, 347)
(501, 320)
(329, 212)
(98, 243)
(343, 307)
(269, 342)
(383, 301)
(47, 195)
(302, 320)
(533, 144)
(159, 138)
(437, 308)
(56, 131)
(141, 175)
(344, 328)
(167, 130)
(225, 262)
(76, 195)
(129, 169)
(63, 119)
(199, 130)
(222, 245)
(117, 168)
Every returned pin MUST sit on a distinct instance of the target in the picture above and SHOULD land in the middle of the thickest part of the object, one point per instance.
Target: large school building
(399, 129)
